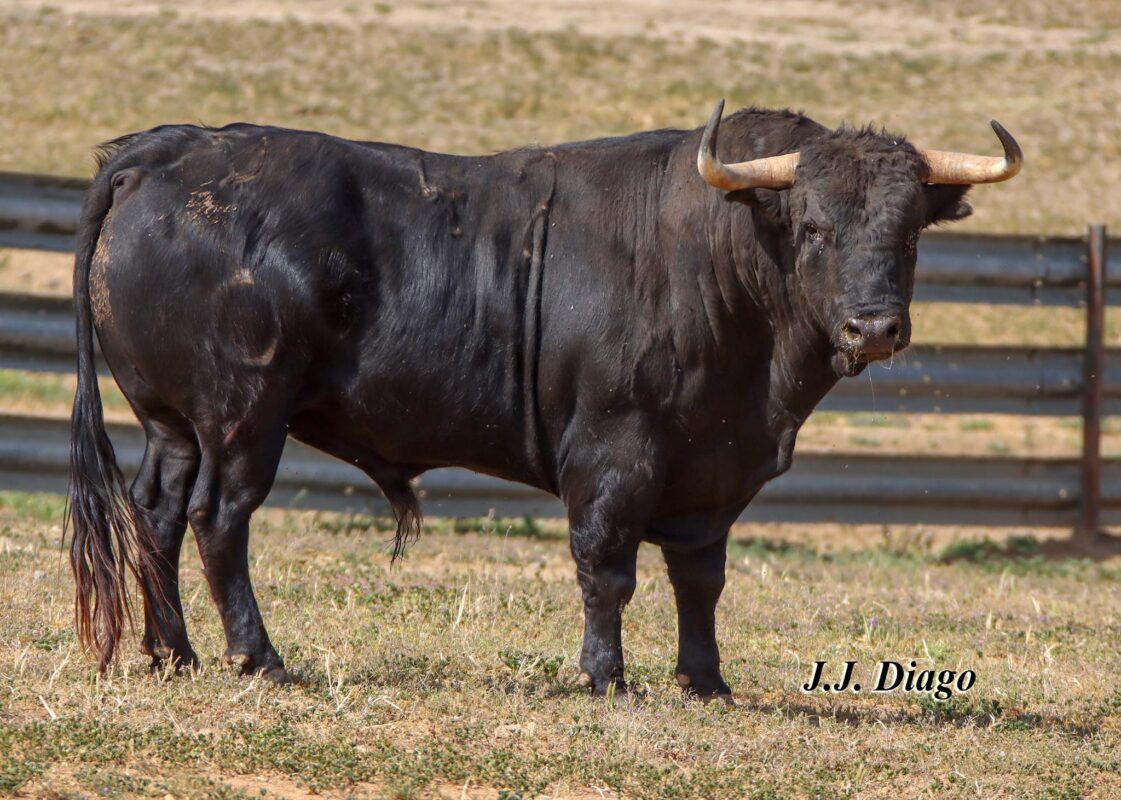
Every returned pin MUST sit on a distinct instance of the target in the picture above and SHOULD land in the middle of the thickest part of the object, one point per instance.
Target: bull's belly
(414, 431)
(380, 441)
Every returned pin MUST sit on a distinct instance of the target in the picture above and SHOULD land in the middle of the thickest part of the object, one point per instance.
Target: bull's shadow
(959, 714)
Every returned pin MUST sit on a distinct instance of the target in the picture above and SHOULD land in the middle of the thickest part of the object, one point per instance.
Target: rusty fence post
(1093, 385)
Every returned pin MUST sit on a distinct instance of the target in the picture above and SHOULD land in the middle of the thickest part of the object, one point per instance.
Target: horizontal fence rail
(41, 212)
(834, 487)
(37, 333)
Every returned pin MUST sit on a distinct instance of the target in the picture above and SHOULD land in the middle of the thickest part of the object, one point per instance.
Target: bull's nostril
(851, 330)
(892, 331)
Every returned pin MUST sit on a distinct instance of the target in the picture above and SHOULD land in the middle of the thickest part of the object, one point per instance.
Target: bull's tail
(109, 535)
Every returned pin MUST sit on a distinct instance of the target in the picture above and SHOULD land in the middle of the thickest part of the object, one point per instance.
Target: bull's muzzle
(871, 337)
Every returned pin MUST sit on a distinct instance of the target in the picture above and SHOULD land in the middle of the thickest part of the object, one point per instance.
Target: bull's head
(854, 203)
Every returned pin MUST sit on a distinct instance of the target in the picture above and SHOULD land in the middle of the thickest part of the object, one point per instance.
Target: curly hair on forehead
(851, 162)
(886, 149)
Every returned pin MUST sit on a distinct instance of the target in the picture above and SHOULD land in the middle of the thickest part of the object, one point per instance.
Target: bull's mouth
(848, 363)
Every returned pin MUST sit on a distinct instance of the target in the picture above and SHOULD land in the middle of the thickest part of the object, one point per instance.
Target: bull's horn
(775, 172)
(965, 168)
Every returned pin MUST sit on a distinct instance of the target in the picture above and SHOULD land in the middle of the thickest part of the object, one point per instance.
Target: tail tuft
(406, 510)
(109, 537)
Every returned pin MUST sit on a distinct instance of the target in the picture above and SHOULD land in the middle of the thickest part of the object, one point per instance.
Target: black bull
(592, 319)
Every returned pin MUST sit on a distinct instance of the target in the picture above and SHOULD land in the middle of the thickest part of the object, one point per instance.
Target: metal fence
(37, 333)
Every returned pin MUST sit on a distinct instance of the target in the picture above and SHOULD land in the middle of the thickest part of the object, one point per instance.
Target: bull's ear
(946, 203)
(766, 201)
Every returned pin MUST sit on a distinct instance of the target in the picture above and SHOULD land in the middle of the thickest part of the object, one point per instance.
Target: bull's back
(380, 290)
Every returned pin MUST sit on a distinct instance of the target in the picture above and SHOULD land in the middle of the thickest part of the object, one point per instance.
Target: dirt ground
(833, 26)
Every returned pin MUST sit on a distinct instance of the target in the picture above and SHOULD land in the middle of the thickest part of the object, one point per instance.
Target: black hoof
(603, 687)
(162, 656)
(705, 690)
(266, 665)
(276, 675)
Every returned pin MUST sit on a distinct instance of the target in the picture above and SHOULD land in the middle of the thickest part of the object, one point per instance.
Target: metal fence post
(1093, 380)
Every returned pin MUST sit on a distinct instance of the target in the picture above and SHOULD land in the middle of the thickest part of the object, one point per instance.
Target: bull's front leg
(698, 579)
(606, 533)
(607, 581)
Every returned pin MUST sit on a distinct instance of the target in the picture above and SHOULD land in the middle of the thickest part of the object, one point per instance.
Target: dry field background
(452, 674)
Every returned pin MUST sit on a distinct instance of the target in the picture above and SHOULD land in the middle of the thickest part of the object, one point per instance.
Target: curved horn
(965, 168)
(774, 172)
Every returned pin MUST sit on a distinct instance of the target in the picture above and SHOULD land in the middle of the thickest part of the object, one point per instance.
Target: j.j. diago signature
(892, 676)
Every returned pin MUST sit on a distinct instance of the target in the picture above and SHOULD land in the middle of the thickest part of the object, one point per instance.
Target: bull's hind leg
(235, 477)
(161, 489)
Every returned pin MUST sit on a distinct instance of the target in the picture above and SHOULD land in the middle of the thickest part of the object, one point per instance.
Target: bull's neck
(757, 257)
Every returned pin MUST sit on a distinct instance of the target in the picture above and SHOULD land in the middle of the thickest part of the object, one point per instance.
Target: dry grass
(457, 667)
(1088, 15)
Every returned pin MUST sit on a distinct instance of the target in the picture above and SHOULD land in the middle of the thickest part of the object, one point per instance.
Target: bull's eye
(814, 237)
